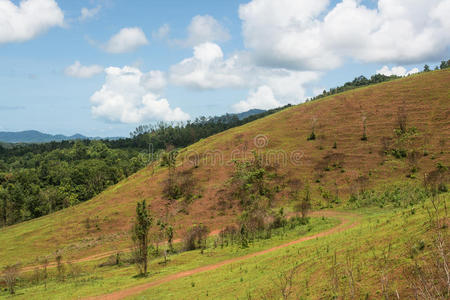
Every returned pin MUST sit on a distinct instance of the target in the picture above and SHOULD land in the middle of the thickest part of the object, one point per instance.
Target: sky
(103, 67)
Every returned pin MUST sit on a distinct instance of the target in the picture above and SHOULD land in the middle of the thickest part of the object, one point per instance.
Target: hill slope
(282, 137)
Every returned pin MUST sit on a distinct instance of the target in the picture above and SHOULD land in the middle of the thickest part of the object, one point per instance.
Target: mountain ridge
(35, 136)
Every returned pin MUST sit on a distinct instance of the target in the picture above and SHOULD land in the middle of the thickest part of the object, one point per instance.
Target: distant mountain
(249, 113)
(34, 136)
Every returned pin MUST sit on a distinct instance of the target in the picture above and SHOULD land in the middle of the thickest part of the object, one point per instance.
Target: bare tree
(286, 282)
(414, 157)
(10, 274)
(304, 202)
(196, 237)
(44, 264)
(60, 265)
(402, 117)
(429, 277)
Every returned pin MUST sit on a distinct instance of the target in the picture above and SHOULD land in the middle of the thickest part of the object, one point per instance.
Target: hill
(340, 146)
(249, 113)
(34, 136)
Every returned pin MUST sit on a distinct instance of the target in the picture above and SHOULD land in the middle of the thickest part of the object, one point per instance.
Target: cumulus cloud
(301, 34)
(131, 96)
(80, 71)
(162, 32)
(87, 13)
(205, 29)
(208, 69)
(397, 71)
(262, 98)
(126, 40)
(27, 20)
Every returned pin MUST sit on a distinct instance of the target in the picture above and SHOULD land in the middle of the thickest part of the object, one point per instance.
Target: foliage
(397, 195)
(356, 83)
(33, 184)
(140, 236)
(195, 237)
(10, 274)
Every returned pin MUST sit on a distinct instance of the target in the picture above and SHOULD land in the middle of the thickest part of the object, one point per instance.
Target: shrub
(195, 237)
(228, 235)
(10, 274)
(311, 137)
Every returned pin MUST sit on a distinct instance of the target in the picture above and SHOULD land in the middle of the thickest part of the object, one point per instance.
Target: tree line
(361, 81)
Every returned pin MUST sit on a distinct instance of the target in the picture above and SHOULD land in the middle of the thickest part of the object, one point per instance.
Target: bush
(311, 137)
(195, 237)
(398, 195)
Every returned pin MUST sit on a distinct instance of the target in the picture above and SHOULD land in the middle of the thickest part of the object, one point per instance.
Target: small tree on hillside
(196, 237)
(60, 265)
(426, 68)
(312, 136)
(45, 263)
(414, 157)
(402, 117)
(304, 203)
(169, 159)
(10, 274)
(140, 236)
(364, 135)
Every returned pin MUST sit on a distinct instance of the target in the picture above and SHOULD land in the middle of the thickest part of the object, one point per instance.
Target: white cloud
(126, 40)
(397, 71)
(154, 81)
(205, 29)
(87, 13)
(130, 96)
(27, 20)
(206, 69)
(261, 98)
(80, 71)
(301, 34)
(162, 32)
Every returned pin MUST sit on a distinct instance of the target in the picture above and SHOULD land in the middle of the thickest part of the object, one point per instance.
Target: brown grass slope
(426, 101)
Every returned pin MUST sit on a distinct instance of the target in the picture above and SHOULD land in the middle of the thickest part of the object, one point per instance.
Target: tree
(426, 68)
(312, 136)
(196, 237)
(304, 203)
(364, 135)
(44, 269)
(60, 266)
(140, 236)
(10, 274)
(402, 117)
(170, 234)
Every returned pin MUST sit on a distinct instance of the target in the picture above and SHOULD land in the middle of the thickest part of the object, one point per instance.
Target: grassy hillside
(338, 120)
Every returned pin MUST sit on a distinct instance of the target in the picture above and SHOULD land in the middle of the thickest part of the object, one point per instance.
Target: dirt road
(345, 224)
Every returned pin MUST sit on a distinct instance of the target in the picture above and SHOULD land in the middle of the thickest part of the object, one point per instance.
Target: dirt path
(344, 225)
(100, 255)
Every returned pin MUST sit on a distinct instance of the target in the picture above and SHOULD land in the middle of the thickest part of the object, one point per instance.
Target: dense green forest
(37, 179)
(33, 185)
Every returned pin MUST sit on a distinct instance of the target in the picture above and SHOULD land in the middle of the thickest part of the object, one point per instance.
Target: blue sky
(248, 54)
